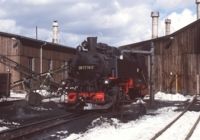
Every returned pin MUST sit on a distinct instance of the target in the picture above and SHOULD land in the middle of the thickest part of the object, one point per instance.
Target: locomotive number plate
(86, 67)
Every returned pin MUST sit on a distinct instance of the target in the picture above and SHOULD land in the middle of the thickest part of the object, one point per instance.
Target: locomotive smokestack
(167, 26)
(92, 43)
(198, 9)
(55, 31)
(155, 16)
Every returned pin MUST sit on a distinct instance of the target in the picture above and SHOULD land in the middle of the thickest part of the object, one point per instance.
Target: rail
(175, 120)
(32, 128)
(193, 128)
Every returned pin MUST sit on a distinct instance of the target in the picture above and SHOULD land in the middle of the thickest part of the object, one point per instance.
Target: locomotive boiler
(99, 79)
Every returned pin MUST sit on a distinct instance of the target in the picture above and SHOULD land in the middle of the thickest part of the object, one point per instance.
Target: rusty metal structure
(36, 55)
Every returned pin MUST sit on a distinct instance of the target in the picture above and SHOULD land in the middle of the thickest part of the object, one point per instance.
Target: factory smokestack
(155, 16)
(55, 31)
(167, 26)
(198, 9)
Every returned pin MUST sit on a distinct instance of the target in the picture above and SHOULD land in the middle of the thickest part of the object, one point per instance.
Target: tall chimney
(155, 16)
(55, 31)
(198, 9)
(167, 26)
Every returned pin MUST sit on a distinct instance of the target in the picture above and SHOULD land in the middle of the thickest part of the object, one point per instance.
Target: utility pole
(36, 32)
(150, 73)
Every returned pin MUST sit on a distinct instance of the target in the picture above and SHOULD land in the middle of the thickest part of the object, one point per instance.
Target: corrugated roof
(26, 41)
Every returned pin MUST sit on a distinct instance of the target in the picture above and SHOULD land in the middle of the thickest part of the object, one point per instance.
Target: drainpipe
(41, 56)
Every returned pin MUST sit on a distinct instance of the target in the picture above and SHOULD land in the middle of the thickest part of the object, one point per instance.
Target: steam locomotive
(101, 79)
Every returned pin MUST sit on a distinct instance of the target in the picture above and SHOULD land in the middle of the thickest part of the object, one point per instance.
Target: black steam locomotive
(99, 79)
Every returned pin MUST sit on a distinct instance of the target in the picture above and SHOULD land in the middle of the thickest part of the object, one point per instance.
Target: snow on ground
(16, 95)
(146, 126)
(54, 99)
(59, 135)
(171, 97)
(4, 122)
(196, 133)
(57, 99)
(180, 129)
(141, 129)
(44, 93)
(3, 128)
(40, 108)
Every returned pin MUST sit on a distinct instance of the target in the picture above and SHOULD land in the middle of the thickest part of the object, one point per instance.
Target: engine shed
(176, 60)
(37, 55)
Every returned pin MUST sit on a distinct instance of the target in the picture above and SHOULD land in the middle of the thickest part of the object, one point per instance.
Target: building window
(31, 63)
(50, 64)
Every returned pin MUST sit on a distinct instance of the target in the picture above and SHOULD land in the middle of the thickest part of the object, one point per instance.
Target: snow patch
(17, 95)
(54, 99)
(171, 97)
(41, 108)
(59, 135)
(104, 122)
(180, 129)
(141, 129)
(196, 134)
(44, 93)
(3, 128)
(4, 122)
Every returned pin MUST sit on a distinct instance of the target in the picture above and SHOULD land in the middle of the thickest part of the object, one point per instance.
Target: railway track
(192, 129)
(8, 103)
(32, 128)
(194, 126)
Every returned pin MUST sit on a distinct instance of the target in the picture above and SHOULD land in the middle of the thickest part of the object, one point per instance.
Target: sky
(115, 22)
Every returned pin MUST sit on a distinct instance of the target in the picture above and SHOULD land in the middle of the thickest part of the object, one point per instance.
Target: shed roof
(128, 46)
(26, 41)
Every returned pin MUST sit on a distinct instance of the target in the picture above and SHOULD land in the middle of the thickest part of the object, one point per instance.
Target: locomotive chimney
(92, 43)
(167, 26)
(198, 9)
(55, 31)
(155, 16)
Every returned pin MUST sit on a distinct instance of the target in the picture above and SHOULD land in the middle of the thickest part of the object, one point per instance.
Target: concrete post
(155, 16)
(198, 85)
(167, 26)
(177, 85)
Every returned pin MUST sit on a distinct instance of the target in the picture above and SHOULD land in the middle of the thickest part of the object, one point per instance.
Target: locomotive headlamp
(106, 82)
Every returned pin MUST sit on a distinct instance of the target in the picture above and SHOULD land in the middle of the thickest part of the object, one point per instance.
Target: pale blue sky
(116, 22)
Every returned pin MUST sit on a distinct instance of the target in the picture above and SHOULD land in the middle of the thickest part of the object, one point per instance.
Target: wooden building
(37, 55)
(176, 60)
